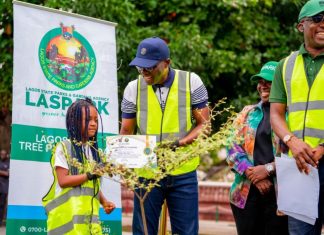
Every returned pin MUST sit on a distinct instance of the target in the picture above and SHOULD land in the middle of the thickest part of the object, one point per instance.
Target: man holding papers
(298, 87)
(302, 206)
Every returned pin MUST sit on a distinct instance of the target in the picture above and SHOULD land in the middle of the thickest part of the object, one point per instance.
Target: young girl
(72, 203)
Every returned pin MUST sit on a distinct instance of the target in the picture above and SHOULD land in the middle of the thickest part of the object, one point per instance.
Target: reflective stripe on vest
(63, 198)
(76, 226)
(74, 209)
(174, 122)
(305, 104)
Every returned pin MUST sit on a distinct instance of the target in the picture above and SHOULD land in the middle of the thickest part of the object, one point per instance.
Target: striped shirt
(199, 95)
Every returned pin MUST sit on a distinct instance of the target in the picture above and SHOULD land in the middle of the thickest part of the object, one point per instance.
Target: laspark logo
(66, 58)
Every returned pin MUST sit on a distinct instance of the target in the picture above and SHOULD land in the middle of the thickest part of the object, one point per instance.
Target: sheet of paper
(134, 151)
(298, 193)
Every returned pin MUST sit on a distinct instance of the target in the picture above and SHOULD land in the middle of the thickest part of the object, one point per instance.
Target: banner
(58, 58)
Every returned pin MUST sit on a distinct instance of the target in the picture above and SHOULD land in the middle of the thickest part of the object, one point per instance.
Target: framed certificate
(133, 151)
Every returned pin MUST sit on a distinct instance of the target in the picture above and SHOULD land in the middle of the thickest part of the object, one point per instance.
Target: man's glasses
(316, 18)
(149, 70)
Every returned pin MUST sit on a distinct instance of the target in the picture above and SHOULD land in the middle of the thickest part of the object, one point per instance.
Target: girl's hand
(108, 206)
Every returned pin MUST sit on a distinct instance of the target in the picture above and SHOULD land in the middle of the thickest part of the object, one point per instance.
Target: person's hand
(103, 168)
(108, 206)
(264, 186)
(92, 176)
(302, 153)
(318, 153)
(100, 166)
(171, 145)
(256, 173)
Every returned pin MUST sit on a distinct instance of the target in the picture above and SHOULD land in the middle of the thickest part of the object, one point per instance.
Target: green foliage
(6, 51)
(225, 42)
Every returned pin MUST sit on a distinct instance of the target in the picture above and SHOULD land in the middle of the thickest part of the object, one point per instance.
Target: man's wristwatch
(287, 138)
(269, 168)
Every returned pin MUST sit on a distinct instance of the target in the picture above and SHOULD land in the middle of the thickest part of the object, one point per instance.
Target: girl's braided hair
(74, 130)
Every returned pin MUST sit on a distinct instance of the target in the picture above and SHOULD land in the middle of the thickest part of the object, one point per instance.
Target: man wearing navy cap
(298, 88)
(162, 101)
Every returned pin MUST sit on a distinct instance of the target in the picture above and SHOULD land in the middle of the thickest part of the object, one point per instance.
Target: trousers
(259, 215)
(181, 195)
(3, 204)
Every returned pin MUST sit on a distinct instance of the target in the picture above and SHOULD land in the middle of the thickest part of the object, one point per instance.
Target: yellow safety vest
(305, 104)
(75, 210)
(174, 122)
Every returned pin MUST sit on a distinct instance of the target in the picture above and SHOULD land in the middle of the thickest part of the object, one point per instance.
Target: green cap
(311, 8)
(267, 72)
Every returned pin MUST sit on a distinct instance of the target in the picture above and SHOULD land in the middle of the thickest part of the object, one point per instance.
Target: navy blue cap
(150, 51)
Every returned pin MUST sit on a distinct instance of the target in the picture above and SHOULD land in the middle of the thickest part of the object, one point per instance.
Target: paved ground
(2, 230)
(206, 227)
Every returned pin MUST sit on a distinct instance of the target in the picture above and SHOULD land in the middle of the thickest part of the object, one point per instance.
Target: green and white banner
(58, 58)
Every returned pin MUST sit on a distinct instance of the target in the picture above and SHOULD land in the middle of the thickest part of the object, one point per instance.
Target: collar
(304, 52)
(168, 82)
(259, 105)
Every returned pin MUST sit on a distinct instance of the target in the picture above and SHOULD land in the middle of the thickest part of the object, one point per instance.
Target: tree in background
(224, 41)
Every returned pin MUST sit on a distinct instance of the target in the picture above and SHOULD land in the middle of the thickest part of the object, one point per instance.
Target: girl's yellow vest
(305, 104)
(174, 122)
(74, 210)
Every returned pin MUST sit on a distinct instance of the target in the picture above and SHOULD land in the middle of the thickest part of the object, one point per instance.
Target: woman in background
(253, 195)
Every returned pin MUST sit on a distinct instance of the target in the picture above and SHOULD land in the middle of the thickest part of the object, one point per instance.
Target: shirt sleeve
(128, 104)
(199, 94)
(237, 157)
(60, 159)
(278, 92)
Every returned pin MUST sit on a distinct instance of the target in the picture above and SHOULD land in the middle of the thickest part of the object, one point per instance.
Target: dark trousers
(298, 227)
(181, 194)
(3, 204)
(259, 215)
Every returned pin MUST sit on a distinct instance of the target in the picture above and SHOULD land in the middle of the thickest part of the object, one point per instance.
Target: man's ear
(167, 62)
(300, 27)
